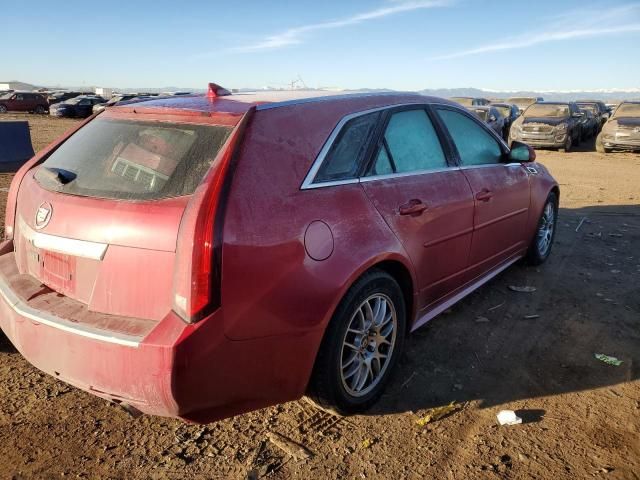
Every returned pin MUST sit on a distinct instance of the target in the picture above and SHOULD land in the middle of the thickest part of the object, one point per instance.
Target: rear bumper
(193, 372)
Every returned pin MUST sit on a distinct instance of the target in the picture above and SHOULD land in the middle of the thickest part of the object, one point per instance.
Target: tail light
(197, 275)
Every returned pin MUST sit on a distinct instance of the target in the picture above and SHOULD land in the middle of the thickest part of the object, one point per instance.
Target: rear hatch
(98, 221)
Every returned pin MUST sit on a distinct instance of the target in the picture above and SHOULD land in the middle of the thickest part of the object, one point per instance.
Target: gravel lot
(581, 416)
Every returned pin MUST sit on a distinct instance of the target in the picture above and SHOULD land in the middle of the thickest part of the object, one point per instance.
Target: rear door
(501, 191)
(424, 199)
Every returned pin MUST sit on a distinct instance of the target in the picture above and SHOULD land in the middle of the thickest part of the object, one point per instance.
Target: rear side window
(475, 145)
(345, 155)
(131, 160)
(410, 144)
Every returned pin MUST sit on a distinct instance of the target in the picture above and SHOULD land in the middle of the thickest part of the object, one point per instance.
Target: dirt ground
(497, 349)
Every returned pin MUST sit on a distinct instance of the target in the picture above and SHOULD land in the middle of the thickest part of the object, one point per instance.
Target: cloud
(572, 25)
(294, 36)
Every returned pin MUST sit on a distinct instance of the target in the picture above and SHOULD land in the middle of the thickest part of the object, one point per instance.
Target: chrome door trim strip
(26, 311)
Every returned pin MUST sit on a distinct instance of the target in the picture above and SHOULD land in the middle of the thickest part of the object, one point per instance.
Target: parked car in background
(510, 112)
(23, 102)
(117, 99)
(589, 123)
(77, 107)
(523, 102)
(622, 130)
(470, 101)
(549, 124)
(57, 97)
(598, 108)
(172, 292)
(493, 118)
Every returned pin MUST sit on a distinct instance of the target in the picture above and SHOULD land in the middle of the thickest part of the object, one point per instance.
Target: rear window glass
(131, 160)
(344, 157)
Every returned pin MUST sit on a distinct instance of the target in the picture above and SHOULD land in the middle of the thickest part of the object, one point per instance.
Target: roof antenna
(216, 90)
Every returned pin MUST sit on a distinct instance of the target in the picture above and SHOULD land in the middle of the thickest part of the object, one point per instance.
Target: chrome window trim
(387, 176)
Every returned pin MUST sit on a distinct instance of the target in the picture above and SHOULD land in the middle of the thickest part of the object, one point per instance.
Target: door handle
(484, 195)
(412, 207)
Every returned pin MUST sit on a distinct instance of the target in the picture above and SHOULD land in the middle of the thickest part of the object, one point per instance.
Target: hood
(545, 120)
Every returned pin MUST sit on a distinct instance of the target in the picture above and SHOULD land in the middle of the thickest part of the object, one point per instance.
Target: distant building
(17, 86)
(104, 92)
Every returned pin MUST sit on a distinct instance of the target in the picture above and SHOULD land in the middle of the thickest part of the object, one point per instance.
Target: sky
(398, 44)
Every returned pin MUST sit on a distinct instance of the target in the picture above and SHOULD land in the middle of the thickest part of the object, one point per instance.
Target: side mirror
(492, 118)
(521, 152)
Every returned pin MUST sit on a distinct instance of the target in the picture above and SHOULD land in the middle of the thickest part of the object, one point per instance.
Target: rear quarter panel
(270, 285)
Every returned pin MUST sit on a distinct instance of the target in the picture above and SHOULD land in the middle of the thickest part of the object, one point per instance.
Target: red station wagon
(203, 256)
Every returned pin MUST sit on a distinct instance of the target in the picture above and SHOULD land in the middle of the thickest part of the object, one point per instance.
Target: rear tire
(3, 109)
(361, 345)
(540, 247)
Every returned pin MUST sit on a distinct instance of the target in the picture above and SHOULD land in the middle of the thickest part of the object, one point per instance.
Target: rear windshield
(132, 160)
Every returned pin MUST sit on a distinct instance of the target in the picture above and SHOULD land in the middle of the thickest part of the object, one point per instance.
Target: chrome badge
(43, 215)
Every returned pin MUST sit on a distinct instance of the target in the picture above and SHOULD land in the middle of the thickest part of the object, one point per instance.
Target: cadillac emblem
(43, 215)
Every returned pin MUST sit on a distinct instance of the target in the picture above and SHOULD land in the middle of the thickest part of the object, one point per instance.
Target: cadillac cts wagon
(203, 256)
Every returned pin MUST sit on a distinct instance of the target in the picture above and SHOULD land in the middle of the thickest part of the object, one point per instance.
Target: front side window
(410, 144)
(475, 145)
(347, 151)
(132, 160)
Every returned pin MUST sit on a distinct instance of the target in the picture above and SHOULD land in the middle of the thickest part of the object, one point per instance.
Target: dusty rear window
(131, 160)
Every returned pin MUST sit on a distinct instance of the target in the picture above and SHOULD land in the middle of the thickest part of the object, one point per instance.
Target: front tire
(568, 143)
(540, 247)
(361, 346)
(40, 110)
(600, 148)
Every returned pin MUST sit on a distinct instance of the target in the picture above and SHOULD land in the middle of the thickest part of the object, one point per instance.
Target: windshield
(505, 111)
(589, 108)
(628, 110)
(547, 110)
(467, 102)
(132, 160)
(482, 114)
(6, 95)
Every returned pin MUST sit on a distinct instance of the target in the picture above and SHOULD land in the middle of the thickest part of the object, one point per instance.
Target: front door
(425, 201)
(501, 192)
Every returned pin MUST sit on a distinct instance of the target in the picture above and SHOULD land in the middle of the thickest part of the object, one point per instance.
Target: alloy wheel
(545, 231)
(368, 345)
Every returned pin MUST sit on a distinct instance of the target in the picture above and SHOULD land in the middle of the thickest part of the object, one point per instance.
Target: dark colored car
(523, 102)
(77, 107)
(57, 97)
(549, 124)
(493, 118)
(208, 255)
(510, 112)
(470, 101)
(622, 130)
(118, 99)
(598, 108)
(23, 102)
(589, 123)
